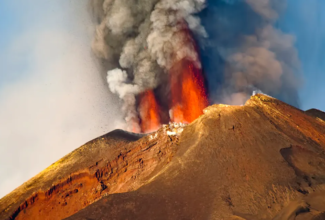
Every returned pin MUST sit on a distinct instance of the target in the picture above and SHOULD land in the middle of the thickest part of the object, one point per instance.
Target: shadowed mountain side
(316, 113)
(234, 162)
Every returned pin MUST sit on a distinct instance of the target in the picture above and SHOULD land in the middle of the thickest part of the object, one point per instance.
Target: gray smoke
(258, 55)
(267, 61)
(142, 40)
(266, 8)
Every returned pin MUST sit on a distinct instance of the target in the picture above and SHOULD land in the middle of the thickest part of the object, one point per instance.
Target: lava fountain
(188, 93)
(187, 98)
(149, 112)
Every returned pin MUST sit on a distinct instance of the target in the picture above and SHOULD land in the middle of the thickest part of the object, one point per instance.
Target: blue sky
(9, 27)
(306, 21)
(52, 99)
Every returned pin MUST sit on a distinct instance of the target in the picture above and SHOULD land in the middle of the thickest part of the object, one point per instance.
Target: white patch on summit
(174, 128)
(151, 137)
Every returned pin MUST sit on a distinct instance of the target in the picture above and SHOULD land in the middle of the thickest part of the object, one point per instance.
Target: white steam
(117, 81)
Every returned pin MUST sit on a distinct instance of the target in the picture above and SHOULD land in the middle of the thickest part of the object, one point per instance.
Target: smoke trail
(143, 40)
(246, 51)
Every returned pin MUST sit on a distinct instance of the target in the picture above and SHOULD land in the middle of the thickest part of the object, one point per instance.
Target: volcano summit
(263, 160)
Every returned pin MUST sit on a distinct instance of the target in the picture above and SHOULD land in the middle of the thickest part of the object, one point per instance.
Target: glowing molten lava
(188, 93)
(188, 98)
(149, 112)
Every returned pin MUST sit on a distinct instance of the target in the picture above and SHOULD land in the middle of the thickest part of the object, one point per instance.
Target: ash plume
(141, 40)
(240, 48)
(245, 50)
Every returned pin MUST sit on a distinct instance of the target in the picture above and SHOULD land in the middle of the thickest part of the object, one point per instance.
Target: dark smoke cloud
(141, 41)
(240, 48)
(245, 51)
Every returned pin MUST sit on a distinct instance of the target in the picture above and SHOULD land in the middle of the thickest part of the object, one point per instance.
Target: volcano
(263, 160)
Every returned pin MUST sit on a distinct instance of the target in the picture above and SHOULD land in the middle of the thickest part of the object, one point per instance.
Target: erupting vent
(187, 101)
(158, 76)
(188, 94)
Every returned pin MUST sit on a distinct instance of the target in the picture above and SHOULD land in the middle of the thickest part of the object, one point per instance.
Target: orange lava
(149, 112)
(188, 93)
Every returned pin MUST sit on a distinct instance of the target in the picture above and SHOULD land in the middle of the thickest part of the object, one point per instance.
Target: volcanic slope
(263, 160)
(116, 162)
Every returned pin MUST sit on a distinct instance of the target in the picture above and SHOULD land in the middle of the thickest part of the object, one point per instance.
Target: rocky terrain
(263, 160)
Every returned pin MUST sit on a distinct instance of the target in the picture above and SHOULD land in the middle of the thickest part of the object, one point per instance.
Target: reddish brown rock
(114, 163)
